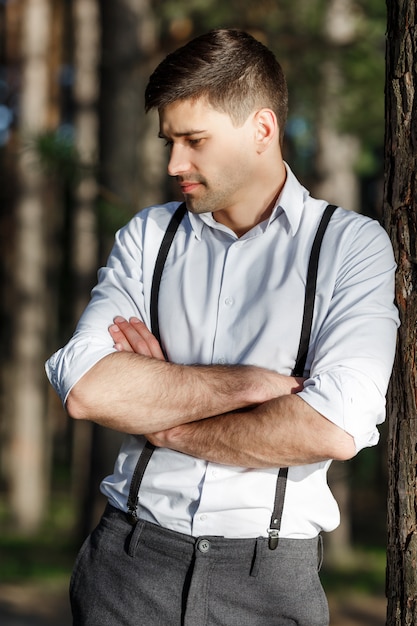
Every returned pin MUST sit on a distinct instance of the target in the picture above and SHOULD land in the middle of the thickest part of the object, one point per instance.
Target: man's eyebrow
(187, 133)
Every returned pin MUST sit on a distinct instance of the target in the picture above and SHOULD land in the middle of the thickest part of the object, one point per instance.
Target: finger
(129, 334)
(150, 339)
(120, 342)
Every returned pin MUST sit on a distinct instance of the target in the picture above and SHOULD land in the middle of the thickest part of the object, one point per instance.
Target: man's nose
(179, 162)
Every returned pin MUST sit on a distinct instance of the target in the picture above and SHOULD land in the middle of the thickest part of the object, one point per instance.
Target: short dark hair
(233, 70)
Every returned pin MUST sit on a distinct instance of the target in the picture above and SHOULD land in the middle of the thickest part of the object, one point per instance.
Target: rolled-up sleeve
(119, 291)
(353, 352)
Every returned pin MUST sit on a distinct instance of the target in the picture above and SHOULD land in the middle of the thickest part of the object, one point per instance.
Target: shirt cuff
(350, 400)
(69, 364)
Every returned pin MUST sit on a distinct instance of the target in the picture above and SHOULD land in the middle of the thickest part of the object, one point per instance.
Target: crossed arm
(236, 415)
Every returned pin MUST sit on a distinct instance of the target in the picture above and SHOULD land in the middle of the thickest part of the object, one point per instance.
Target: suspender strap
(311, 292)
(275, 525)
(298, 370)
(159, 268)
(141, 465)
(144, 458)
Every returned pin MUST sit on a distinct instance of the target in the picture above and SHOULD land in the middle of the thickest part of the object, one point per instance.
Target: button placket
(227, 304)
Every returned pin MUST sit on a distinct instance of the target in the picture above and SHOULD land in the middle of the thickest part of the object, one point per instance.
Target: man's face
(212, 160)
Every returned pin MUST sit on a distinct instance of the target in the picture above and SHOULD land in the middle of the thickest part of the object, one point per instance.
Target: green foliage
(364, 71)
(48, 555)
(112, 215)
(58, 156)
(363, 572)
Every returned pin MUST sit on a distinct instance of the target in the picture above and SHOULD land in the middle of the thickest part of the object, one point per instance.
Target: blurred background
(78, 157)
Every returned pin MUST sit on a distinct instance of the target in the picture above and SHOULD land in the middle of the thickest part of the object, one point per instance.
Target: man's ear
(266, 128)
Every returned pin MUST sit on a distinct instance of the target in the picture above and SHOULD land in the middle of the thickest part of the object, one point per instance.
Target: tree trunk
(133, 171)
(84, 238)
(337, 152)
(11, 16)
(400, 214)
(29, 447)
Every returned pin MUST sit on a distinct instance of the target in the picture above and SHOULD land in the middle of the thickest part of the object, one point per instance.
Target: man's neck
(256, 206)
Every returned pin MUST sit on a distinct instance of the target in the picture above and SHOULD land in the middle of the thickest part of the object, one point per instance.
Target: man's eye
(194, 142)
(168, 143)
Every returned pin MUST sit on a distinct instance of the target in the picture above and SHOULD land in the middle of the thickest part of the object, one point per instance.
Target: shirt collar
(290, 202)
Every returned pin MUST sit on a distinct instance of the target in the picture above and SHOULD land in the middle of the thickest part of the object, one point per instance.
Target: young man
(209, 531)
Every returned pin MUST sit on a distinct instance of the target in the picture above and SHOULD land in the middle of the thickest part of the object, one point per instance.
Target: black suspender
(275, 524)
(159, 268)
(133, 499)
(311, 292)
(298, 369)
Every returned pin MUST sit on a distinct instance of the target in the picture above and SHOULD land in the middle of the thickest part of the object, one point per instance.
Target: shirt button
(203, 545)
(221, 361)
(229, 301)
(203, 517)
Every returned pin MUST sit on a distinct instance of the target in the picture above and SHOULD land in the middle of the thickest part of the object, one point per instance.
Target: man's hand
(133, 336)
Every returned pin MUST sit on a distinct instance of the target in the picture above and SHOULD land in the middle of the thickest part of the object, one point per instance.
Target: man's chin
(194, 206)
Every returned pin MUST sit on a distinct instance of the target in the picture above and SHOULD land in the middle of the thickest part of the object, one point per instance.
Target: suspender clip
(132, 516)
(273, 538)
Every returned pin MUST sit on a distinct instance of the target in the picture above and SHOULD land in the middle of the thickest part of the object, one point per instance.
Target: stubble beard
(199, 203)
(207, 200)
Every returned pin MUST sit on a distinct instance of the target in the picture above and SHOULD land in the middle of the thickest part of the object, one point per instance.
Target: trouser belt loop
(320, 552)
(257, 556)
(133, 538)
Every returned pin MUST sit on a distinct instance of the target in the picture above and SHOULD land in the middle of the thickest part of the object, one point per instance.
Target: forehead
(182, 116)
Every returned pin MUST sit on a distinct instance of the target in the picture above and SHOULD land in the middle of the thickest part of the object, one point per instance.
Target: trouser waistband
(171, 540)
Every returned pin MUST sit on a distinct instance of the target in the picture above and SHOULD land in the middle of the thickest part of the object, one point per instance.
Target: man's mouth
(189, 187)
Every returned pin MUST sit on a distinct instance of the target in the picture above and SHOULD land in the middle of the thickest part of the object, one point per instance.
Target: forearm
(137, 394)
(283, 432)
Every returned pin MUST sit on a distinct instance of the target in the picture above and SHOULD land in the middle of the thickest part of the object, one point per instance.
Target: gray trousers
(145, 575)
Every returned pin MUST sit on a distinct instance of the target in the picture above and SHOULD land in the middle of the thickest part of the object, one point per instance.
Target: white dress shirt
(225, 299)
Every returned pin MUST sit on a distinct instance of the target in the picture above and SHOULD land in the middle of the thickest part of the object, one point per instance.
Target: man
(188, 538)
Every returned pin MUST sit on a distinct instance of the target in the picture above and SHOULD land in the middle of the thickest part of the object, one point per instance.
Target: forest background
(78, 157)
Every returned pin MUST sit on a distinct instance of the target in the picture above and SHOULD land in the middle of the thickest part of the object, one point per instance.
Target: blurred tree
(132, 172)
(337, 151)
(26, 389)
(401, 220)
(86, 37)
(9, 61)
(83, 235)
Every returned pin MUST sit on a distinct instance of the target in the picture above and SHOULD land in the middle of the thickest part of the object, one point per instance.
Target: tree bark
(133, 171)
(29, 447)
(400, 215)
(337, 152)
(84, 236)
